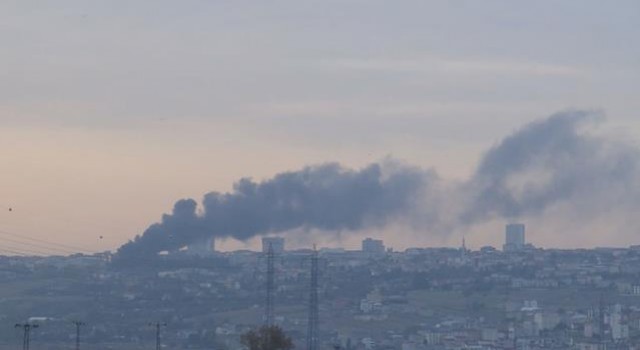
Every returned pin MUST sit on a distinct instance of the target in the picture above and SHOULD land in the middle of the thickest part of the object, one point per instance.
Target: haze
(111, 111)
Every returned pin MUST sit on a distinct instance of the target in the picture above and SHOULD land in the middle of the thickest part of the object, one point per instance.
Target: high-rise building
(514, 237)
(372, 246)
(276, 244)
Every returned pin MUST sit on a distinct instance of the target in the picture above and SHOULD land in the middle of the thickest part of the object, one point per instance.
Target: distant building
(202, 247)
(276, 244)
(488, 249)
(514, 237)
(373, 246)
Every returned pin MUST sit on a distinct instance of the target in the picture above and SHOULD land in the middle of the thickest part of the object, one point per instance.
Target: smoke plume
(327, 197)
(551, 164)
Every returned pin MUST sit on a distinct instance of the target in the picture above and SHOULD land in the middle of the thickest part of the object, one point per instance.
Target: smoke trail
(326, 197)
(551, 162)
(548, 164)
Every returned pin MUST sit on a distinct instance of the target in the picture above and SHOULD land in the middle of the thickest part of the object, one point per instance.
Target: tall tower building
(514, 237)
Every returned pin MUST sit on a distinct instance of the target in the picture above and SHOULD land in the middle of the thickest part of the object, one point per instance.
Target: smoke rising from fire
(547, 164)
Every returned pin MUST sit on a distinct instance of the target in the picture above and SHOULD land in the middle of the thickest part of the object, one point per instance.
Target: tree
(266, 338)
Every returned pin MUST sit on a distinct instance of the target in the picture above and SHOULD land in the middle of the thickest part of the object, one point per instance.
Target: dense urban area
(518, 297)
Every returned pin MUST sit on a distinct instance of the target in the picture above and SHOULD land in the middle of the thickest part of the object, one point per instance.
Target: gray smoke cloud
(327, 197)
(551, 163)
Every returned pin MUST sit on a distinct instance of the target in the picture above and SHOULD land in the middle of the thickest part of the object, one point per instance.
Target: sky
(110, 111)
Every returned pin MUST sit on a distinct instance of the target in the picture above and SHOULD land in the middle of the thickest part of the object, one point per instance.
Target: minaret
(463, 250)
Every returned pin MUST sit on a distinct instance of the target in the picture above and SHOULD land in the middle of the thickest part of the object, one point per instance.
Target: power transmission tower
(26, 327)
(78, 324)
(268, 311)
(312, 326)
(601, 322)
(158, 325)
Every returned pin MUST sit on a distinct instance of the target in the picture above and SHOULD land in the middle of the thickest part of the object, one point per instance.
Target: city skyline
(320, 175)
(111, 112)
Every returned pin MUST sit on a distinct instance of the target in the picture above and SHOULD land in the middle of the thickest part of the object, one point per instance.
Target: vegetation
(267, 338)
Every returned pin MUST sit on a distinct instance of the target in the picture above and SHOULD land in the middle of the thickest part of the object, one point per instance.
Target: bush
(266, 338)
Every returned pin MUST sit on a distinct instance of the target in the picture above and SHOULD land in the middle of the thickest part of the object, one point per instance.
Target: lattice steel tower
(26, 338)
(602, 323)
(312, 326)
(78, 324)
(268, 307)
(158, 325)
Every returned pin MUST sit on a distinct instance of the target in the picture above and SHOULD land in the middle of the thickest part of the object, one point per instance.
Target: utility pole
(312, 326)
(268, 311)
(26, 327)
(78, 324)
(158, 325)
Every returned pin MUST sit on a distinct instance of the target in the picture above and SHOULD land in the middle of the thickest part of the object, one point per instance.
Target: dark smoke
(553, 162)
(326, 197)
(549, 164)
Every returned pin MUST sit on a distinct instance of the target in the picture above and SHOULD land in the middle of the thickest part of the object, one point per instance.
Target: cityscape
(320, 175)
(517, 297)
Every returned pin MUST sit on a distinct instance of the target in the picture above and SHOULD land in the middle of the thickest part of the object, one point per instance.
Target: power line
(24, 251)
(59, 245)
(9, 251)
(28, 250)
(53, 249)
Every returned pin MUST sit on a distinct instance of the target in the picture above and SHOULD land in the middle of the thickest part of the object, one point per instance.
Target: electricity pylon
(158, 325)
(26, 327)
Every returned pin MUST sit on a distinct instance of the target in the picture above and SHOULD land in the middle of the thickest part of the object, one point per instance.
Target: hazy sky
(112, 110)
